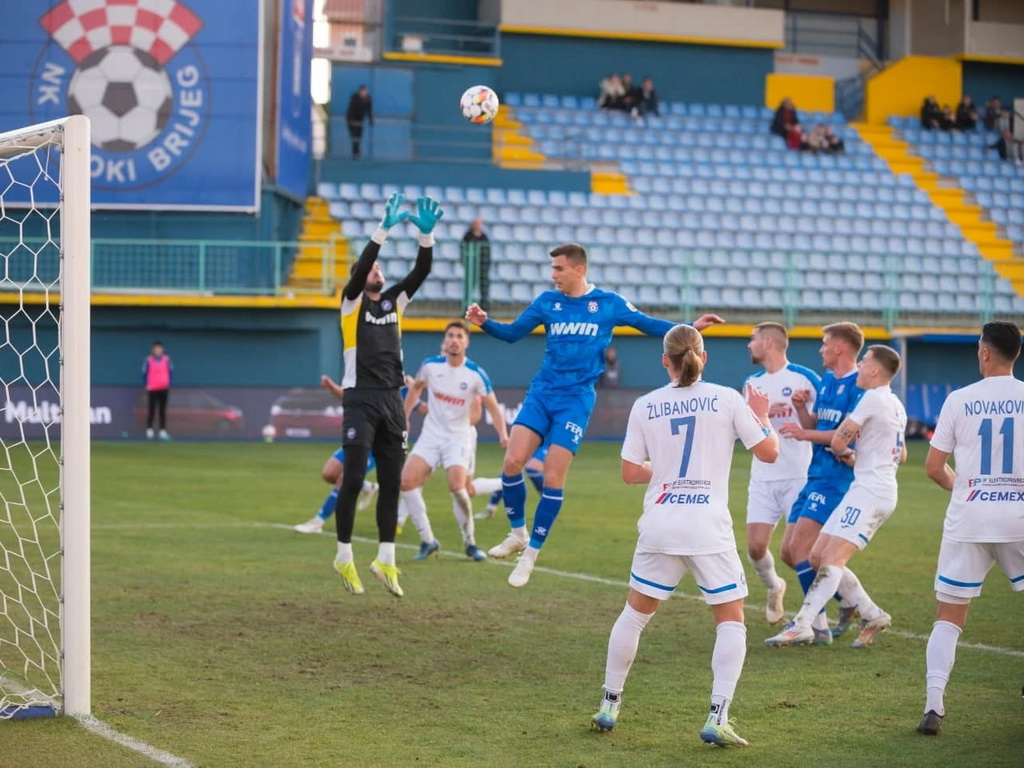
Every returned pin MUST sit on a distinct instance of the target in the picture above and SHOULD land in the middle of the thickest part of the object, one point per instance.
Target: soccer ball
(479, 104)
(269, 433)
(125, 94)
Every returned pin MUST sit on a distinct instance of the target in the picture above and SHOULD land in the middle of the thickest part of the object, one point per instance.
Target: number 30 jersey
(982, 425)
(688, 435)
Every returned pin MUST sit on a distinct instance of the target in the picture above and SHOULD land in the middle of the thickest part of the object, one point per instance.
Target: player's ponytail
(684, 348)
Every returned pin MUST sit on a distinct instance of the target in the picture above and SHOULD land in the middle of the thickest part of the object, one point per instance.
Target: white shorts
(858, 516)
(964, 564)
(444, 451)
(719, 577)
(768, 500)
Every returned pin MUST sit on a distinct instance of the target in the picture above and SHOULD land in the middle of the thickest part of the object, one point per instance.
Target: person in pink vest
(157, 372)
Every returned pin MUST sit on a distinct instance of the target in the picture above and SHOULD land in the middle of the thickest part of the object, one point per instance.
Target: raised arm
(511, 332)
(392, 216)
(428, 213)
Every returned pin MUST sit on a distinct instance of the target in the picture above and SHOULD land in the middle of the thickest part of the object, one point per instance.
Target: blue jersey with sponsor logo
(578, 332)
(836, 399)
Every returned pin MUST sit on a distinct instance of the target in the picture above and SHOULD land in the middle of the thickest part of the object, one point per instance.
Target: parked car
(194, 413)
(307, 412)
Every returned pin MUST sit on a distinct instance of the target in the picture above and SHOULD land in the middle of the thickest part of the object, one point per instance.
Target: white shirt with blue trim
(450, 394)
(688, 435)
(794, 455)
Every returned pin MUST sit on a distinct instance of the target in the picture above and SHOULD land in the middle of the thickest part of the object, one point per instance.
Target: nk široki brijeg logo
(129, 67)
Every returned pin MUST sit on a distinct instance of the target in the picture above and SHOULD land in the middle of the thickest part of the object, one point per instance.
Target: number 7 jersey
(688, 435)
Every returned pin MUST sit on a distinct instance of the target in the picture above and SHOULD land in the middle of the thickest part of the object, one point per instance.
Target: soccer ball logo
(126, 95)
(479, 104)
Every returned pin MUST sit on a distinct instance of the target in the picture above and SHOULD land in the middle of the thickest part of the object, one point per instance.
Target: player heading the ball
(578, 319)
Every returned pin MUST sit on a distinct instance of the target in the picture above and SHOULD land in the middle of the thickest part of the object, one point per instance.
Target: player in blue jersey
(578, 319)
(828, 477)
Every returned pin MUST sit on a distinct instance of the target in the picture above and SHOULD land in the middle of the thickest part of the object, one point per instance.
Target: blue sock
(547, 512)
(495, 498)
(537, 478)
(329, 503)
(805, 573)
(513, 489)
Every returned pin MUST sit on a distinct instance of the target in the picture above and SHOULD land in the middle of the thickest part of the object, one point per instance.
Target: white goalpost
(44, 447)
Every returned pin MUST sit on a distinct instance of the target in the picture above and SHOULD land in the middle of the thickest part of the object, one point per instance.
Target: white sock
(386, 552)
(765, 569)
(403, 510)
(463, 509)
(418, 512)
(530, 553)
(486, 484)
(726, 666)
(825, 585)
(853, 594)
(345, 552)
(820, 621)
(622, 644)
(368, 486)
(939, 656)
(520, 533)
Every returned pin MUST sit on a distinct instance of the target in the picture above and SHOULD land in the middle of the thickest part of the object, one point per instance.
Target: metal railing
(445, 36)
(205, 267)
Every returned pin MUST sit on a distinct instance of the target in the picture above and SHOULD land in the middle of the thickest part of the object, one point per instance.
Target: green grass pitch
(224, 638)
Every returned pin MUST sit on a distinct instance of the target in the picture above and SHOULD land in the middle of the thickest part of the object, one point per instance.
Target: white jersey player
(447, 439)
(774, 488)
(878, 423)
(679, 441)
(982, 426)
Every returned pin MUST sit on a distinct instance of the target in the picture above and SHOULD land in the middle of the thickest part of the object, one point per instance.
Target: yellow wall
(901, 87)
(808, 92)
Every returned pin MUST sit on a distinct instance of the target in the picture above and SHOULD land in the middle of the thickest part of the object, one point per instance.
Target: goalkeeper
(374, 413)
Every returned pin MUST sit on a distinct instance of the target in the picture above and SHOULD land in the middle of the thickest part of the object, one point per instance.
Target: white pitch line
(538, 569)
(100, 728)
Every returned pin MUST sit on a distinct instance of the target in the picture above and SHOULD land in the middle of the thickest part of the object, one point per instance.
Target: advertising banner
(171, 89)
(237, 413)
(294, 98)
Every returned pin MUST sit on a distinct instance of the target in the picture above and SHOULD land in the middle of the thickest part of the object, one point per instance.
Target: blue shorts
(541, 453)
(817, 500)
(558, 421)
(340, 456)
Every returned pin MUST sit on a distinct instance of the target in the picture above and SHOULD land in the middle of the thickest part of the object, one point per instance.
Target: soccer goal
(44, 422)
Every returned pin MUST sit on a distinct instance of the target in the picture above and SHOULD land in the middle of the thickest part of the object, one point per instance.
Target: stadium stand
(720, 214)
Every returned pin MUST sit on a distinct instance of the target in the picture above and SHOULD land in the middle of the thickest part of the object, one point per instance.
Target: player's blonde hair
(850, 333)
(684, 347)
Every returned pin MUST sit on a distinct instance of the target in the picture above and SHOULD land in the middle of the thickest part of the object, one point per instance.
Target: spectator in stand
(785, 118)
(996, 118)
(795, 137)
(1010, 150)
(947, 120)
(966, 114)
(649, 98)
(611, 93)
(831, 144)
(633, 97)
(360, 110)
(475, 244)
(931, 115)
(157, 375)
(610, 378)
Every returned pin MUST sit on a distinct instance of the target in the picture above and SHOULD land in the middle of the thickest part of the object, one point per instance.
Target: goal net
(44, 421)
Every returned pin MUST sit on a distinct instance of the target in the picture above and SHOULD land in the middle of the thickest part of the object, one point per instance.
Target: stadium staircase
(310, 270)
(511, 147)
(944, 192)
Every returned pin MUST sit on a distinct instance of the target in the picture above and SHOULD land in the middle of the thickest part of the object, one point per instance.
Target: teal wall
(983, 80)
(695, 73)
(289, 348)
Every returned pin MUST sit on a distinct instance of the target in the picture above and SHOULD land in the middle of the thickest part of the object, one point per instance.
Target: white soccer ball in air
(126, 95)
(269, 433)
(479, 104)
